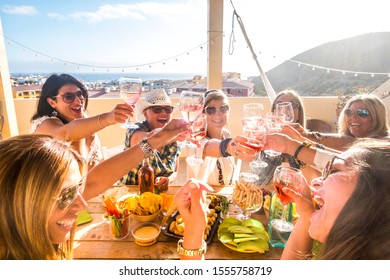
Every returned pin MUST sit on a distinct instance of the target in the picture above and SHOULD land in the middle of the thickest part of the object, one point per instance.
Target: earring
(54, 113)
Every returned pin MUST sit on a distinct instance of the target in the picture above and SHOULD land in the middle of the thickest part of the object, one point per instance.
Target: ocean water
(89, 77)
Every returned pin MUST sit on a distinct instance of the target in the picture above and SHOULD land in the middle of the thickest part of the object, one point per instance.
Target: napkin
(83, 217)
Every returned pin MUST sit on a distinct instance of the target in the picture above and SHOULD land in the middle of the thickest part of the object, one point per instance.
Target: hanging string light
(122, 67)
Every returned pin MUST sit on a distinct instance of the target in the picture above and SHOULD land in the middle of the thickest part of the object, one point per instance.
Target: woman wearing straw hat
(154, 111)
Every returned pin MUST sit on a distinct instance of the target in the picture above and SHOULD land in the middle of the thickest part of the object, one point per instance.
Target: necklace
(220, 176)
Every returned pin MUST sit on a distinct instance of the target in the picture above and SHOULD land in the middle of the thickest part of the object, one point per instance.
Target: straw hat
(156, 97)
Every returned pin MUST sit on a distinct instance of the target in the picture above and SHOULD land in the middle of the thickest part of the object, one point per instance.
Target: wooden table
(93, 241)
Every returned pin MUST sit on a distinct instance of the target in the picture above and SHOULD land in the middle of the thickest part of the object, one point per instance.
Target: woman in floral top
(156, 110)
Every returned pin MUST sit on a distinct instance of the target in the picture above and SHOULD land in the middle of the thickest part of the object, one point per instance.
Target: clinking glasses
(363, 113)
(69, 97)
(158, 109)
(69, 195)
(213, 110)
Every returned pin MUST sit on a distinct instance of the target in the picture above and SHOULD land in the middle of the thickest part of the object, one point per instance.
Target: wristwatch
(191, 253)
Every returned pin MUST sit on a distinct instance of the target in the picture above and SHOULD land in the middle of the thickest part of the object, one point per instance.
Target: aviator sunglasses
(158, 109)
(69, 195)
(69, 97)
(213, 110)
(328, 168)
(363, 113)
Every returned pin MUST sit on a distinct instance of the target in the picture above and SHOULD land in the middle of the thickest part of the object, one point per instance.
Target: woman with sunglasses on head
(41, 182)
(61, 112)
(353, 220)
(155, 111)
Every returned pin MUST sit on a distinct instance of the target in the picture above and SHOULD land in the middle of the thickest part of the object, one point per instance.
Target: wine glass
(256, 140)
(194, 159)
(199, 128)
(247, 196)
(253, 114)
(272, 124)
(191, 106)
(285, 112)
(285, 176)
(130, 90)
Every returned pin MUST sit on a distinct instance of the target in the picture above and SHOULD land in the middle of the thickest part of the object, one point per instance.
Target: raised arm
(216, 148)
(106, 173)
(84, 127)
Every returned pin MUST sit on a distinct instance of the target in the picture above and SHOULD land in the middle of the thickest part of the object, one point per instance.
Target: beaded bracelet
(223, 146)
(145, 147)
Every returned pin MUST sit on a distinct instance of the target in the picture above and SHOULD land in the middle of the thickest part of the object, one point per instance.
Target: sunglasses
(69, 97)
(328, 168)
(363, 113)
(69, 195)
(158, 109)
(213, 110)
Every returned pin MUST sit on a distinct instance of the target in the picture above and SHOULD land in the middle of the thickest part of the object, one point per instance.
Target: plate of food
(246, 236)
(175, 226)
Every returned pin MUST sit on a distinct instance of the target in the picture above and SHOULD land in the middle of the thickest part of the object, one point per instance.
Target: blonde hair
(32, 170)
(376, 108)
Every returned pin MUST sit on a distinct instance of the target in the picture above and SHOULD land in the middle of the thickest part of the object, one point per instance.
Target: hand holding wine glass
(130, 90)
(256, 140)
(191, 106)
(286, 177)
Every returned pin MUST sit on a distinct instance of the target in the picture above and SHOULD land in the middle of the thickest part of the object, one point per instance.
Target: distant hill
(364, 53)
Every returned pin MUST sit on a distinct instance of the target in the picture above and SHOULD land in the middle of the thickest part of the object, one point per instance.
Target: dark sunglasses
(69, 195)
(69, 97)
(328, 168)
(213, 110)
(363, 113)
(158, 109)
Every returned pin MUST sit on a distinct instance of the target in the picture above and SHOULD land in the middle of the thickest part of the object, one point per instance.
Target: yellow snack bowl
(145, 218)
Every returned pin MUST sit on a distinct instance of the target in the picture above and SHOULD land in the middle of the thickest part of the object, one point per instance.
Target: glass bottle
(278, 238)
(146, 177)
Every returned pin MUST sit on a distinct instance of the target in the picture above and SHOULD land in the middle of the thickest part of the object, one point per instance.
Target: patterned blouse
(163, 164)
(94, 155)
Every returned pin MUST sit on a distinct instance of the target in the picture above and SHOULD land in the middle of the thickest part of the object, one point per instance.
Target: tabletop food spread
(226, 236)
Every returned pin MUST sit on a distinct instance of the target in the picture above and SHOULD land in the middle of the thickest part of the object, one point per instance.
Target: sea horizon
(92, 76)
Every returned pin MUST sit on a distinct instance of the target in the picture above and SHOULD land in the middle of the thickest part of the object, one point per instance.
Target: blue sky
(118, 33)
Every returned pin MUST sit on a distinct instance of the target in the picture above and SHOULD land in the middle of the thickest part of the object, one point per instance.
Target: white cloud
(56, 16)
(20, 10)
(139, 11)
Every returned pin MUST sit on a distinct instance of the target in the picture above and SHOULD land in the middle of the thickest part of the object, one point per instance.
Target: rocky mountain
(365, 53)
